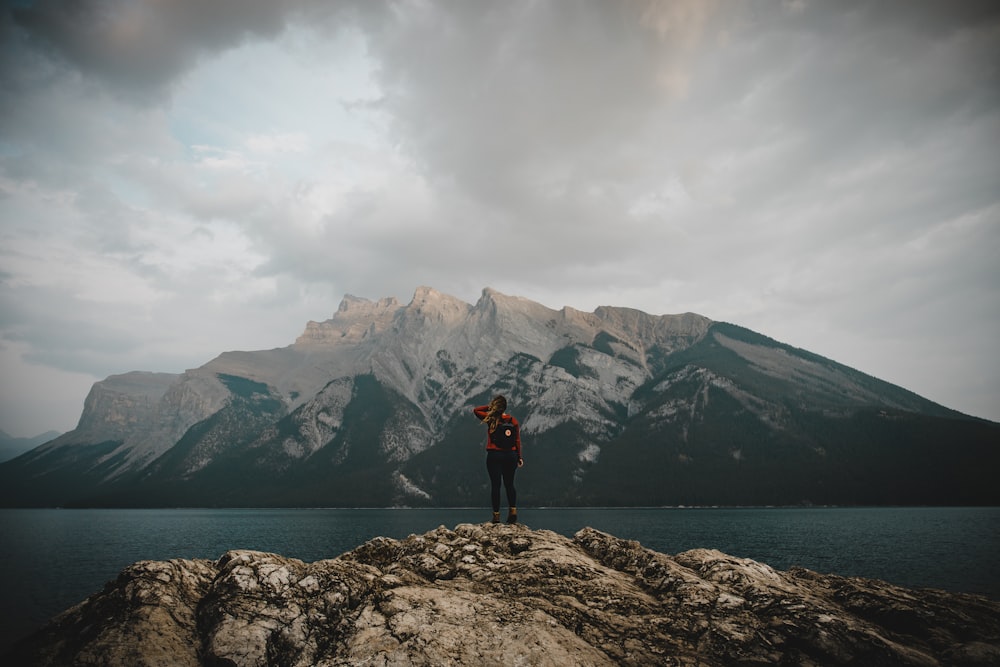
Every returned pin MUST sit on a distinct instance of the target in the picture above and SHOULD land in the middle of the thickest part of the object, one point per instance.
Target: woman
(503, 453)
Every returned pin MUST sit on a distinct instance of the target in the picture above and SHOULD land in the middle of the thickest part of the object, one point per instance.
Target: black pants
(502, 464)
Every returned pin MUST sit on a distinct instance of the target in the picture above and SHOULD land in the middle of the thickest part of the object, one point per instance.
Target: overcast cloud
(182, 178)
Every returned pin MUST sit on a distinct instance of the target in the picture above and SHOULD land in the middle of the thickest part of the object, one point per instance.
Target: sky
(180, 178)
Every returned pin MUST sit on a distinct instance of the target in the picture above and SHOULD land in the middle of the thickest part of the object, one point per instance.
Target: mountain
(11, 447)
(618, 407)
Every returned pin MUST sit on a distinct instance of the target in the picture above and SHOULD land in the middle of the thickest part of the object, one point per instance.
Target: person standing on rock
(503, 453)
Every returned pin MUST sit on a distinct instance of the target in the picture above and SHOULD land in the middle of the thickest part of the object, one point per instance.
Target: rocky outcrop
(509, 595)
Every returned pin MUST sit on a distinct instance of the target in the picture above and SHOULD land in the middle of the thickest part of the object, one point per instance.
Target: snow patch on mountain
(407, 488)
(319, 420)
(401, 439)
(589, 454)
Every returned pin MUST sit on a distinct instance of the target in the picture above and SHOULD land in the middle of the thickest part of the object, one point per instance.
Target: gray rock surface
(509, 595)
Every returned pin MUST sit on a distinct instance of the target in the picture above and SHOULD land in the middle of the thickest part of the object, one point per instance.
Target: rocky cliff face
(509, 595)
(617, 407)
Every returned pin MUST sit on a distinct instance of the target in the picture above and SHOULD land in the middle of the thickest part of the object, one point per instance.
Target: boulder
(509, 595)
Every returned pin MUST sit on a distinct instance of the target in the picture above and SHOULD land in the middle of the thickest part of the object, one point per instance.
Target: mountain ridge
(372, 407)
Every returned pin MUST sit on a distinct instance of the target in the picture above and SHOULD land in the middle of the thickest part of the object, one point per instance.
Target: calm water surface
(52, 559)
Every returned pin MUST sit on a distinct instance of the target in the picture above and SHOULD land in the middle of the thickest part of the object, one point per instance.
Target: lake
(51, 559)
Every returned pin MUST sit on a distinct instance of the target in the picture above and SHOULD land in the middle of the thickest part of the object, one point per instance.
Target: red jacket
(481, 412)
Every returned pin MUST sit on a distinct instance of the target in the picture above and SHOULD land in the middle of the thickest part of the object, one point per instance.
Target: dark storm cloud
(139, 48)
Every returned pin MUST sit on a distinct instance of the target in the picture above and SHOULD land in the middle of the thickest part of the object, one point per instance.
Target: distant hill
(11, 447)
(618, 407)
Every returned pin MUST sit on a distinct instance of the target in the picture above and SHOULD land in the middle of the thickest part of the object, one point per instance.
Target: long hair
(495, 413)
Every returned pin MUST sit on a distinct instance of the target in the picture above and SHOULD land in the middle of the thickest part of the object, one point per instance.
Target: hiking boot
(496, 517)
(512, 518)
